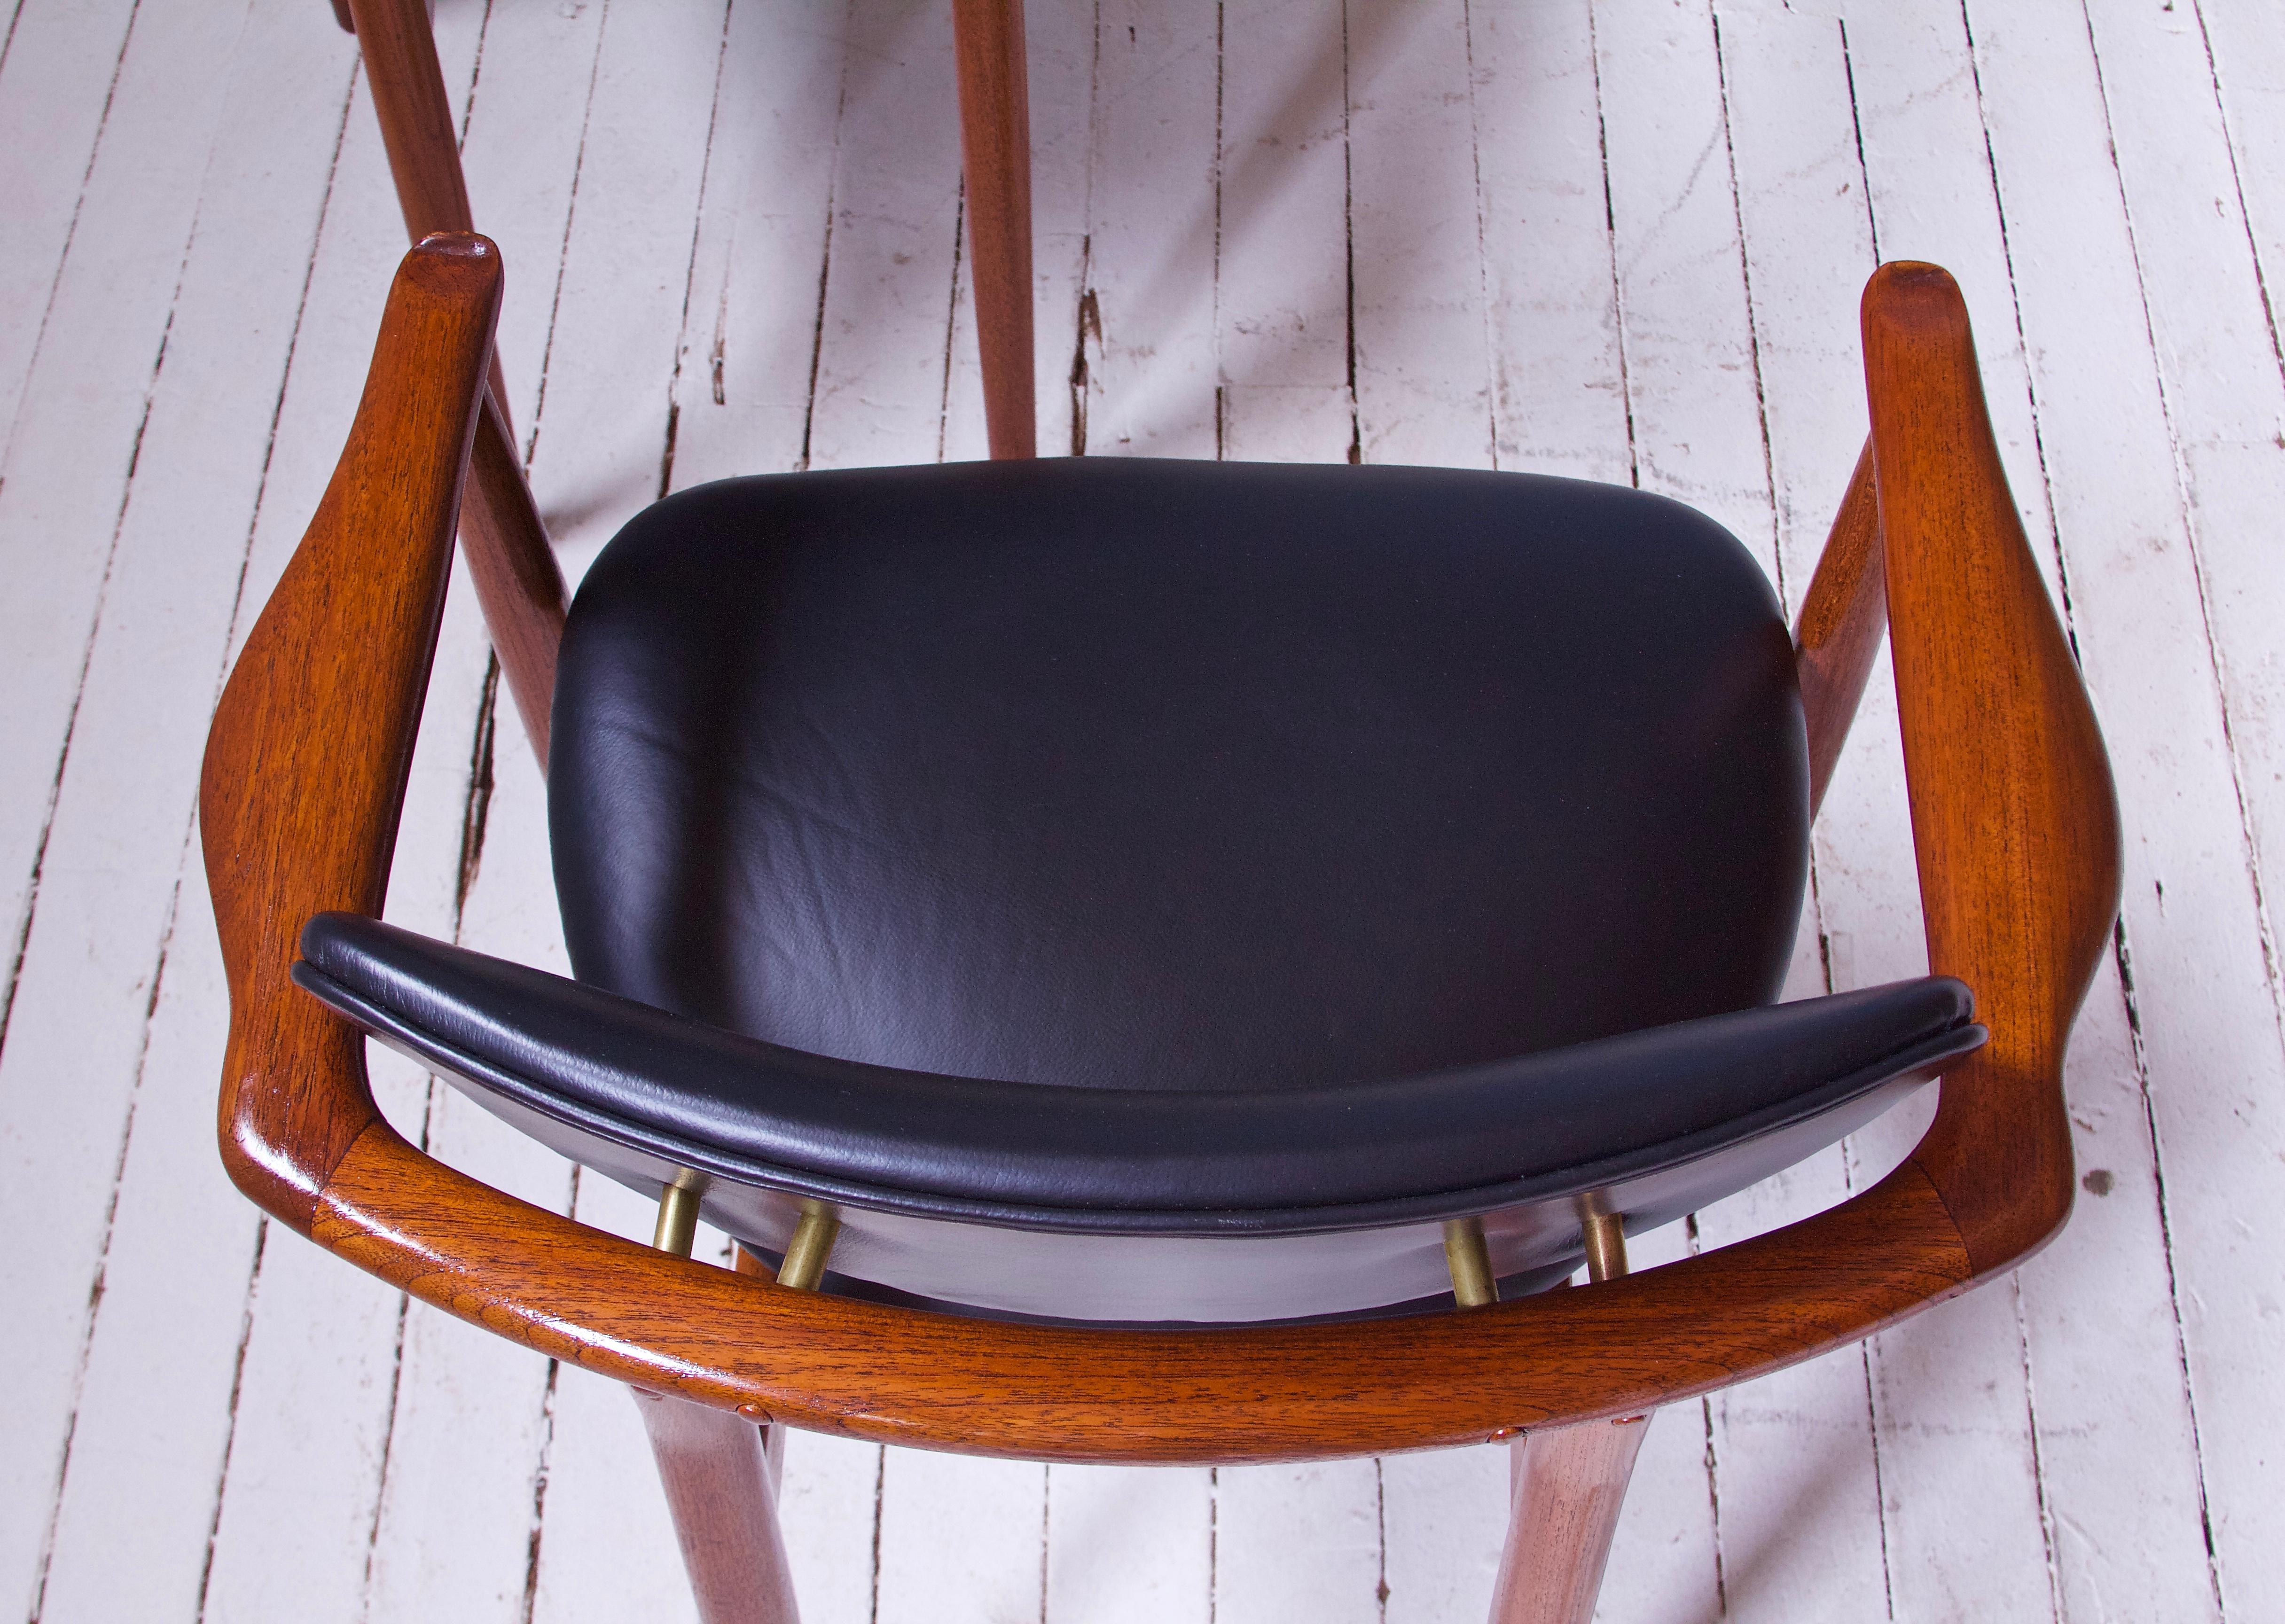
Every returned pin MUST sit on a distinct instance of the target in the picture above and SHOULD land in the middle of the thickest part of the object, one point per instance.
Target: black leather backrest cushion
(1180, 775)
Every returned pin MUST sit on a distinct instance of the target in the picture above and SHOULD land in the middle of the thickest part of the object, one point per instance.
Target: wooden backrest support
(2018, 849)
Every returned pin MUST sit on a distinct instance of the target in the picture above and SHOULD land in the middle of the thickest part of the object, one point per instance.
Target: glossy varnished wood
(415, 113)
(1841, 620)
(2014, 821)
(995, 142)
(1943, 1485)
(306, 761)
(1033, 1392)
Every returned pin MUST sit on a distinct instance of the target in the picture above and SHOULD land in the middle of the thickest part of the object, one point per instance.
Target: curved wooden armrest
(305, 771)
(306, 761)
(1053, 1392)
(2015, 819)
(509, 559)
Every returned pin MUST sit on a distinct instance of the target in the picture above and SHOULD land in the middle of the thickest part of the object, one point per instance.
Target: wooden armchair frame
(2016, 834)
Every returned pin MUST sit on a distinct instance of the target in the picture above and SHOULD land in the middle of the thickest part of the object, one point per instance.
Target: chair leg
(506, 545)
(996, 139)
(415, 111)
(1568, 1483)
(723, 1493)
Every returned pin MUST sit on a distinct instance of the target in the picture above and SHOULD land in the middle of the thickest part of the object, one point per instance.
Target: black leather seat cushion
(1133, 1160)
(1153, 775)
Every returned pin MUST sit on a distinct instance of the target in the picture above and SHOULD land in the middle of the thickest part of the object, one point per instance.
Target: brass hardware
(678, 1216)
(805, 1253)
(1607, 1244)
(1469, 1261)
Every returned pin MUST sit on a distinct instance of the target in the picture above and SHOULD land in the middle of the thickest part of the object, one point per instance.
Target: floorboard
(74, 442)
(56, 84)
(121, 651)
(885, 329)
(2203, 995)
(1550, 282)
(1146, 339)
(1281, 294)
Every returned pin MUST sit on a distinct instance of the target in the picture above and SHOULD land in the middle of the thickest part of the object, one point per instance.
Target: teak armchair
(1188, 783)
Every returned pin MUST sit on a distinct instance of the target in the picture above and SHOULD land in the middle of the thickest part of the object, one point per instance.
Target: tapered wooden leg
(723, 1493)
(408, 97)
(995, 141)
(501, 534)
(1568, 1483)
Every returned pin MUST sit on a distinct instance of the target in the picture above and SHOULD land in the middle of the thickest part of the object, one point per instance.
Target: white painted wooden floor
(1617, 239)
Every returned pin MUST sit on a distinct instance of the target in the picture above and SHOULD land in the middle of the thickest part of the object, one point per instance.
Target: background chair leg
(996, 143)
(721, 1489)
(415, 111)
(1568, 1483)
(514, 569)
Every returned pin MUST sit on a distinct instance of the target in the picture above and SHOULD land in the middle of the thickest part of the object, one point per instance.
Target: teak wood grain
(995, 145)
(415, 112)
(836, 1364)
(514, 570)
(2018, 851)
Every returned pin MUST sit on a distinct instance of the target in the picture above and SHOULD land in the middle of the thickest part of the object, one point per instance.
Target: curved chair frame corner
(2017, 841)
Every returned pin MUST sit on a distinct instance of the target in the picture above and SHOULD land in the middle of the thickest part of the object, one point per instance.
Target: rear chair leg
(505, 539)
(721, 1472)
(1566, 1483)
